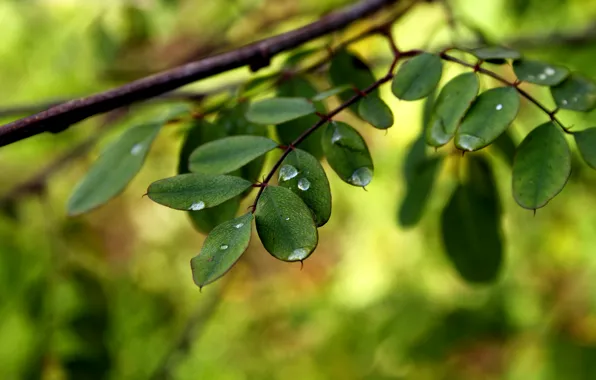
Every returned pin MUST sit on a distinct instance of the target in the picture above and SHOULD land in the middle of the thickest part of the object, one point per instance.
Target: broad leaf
(114, 169)
(450, 107)
(285, 224)
(540, 73)
(376, 112)
(221, 250)
(348, 69)
(419, 187)
(495, 54)
(303, 174)
(347, 154)
(289, 131)
(488, 117)
(541, 166)
(196, 191)
(330, 92)
(575, 93)
(228, 154)
(470, 226)
(279, 110)
(417, 77)
(586, 143)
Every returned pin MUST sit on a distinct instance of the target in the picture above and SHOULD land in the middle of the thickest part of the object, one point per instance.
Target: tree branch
(256, 55)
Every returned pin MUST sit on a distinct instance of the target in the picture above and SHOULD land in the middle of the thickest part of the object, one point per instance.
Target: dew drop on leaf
(499, 107)
(197, 206)
(298, 254)
(136, 149)
(223, 247)
(303, 184)
(239, 225)
(336, 136)
(361, 177)
(287, 172)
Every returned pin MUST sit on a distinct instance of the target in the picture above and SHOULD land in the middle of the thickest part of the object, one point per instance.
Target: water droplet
(223, 247)
(298, 254)
(574, 99)
(549, 71)
(361, 177)
(542, 76)
(499, 107)
(303, 184)
(136, 149)
(288, 218)
(336, 136)
(564, 101)
(197, 206)
(531, 77)
(287, 172)
(239, 225)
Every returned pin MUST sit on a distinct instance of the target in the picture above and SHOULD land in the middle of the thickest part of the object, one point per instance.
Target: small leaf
(586, 143)
(541, 167)
(329, 93)
(285, 224)
(419, 187)
(376, 112)
(196, 191)
(206, 220)
(470, 226)
(348, 69)
(450, 107)
(488, 117)
(418, 77)
(279, 110)
(415, 157)
(347, 154)
(495, 54)
(540, 73)
(114, 169)
(303, 174)
(289, 131)
(506, 145)
(575, 93)
(228, 154)
(221, 250)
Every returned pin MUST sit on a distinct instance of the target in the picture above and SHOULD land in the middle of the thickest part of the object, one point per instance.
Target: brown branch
(256, 55)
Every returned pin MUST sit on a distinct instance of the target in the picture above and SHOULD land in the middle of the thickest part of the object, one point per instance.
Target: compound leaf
(221, 250)
(285, 224)
(347, 154)
(541, 167)
(303, 174)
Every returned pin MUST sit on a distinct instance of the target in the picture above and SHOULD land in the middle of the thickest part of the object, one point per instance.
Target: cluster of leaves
(221, 161)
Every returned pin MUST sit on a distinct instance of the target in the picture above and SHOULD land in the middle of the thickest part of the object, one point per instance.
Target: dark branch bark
(256, 55)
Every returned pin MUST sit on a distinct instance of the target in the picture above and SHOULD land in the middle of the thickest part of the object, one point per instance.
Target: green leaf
(114, 169)
(586, 143)
(541, 167)
(415, 157)
(228, 154)
(495, 54)
(285, 224)
(289, 131)
(575, 93)
(428, 108)
(419, 187)
(303, 174)
(221, 250)
(329, 93)
(196, 191)
(376, 112)
(540, 73)
(451, 105)
(347, 154)
(348, 69)
(470, 226)
(418, 77)
(279, 110)
(488, 117)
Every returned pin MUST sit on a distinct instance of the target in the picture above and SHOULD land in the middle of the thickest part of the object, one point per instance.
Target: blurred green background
(110, 294)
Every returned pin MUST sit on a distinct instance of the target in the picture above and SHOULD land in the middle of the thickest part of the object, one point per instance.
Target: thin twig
(256, 55)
